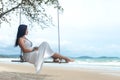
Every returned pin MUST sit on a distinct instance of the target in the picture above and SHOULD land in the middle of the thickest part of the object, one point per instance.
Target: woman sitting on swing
(36, 55)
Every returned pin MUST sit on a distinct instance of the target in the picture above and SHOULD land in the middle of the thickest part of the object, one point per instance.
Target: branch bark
(4, 13)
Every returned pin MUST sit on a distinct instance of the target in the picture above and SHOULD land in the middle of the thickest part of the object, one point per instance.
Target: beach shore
(23, 71)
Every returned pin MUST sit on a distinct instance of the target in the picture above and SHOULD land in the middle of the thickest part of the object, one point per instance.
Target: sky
(87, 28)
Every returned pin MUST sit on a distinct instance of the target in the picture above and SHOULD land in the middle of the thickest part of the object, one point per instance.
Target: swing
(21, 54)
(22, 60)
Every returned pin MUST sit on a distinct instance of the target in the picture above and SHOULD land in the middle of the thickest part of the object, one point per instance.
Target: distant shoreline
(17, 56)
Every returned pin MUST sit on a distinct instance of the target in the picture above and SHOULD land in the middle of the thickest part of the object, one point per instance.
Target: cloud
(7, 39)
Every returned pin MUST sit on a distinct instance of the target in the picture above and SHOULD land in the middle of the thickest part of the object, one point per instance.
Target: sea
(100, 63)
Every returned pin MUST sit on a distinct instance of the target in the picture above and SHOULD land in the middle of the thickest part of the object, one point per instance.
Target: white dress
(37, 57)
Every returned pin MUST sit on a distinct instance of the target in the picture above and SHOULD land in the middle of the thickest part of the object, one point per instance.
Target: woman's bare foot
(59, 57)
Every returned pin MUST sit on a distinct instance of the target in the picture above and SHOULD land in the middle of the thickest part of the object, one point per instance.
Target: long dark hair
(21, 32)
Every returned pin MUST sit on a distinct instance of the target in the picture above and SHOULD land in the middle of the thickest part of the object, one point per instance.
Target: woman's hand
(35, 48)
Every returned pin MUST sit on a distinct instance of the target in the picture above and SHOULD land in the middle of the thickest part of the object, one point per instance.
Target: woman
(35, 55)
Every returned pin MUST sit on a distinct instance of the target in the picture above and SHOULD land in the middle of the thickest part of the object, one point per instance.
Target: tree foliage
(34, 10)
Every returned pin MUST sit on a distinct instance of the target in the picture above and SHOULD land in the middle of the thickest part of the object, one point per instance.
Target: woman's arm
(21, 42)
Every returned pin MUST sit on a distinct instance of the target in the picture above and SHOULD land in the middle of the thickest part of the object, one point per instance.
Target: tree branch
(2, 14)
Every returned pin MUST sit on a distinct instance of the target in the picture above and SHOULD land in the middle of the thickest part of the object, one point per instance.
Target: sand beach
(25, 71)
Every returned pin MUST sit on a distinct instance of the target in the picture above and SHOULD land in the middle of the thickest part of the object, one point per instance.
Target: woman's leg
(60, 57)
(55, 56)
